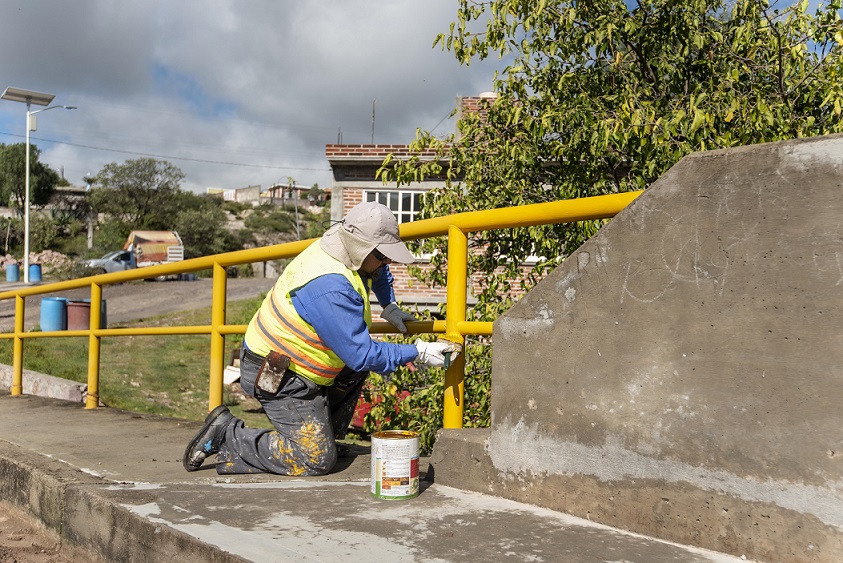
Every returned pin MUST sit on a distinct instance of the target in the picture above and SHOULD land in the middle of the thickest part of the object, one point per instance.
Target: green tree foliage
(412, 400)
(146, 194)
(317, 224)
(272, 225)
(203, 230)
(110, 234)
(275, 225)
(601, 98)
(604, 97)
(315, 195)
(140, 193)
(66, 230)
(42, 178)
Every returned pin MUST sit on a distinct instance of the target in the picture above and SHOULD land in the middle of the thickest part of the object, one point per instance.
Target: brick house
(354, 167)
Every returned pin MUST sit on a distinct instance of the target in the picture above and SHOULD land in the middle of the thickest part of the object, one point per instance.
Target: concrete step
(112, 481)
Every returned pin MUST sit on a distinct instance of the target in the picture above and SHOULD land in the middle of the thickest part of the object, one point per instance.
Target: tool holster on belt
(272, 372)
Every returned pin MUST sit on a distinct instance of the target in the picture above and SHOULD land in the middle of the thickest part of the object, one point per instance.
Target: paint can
(395, 464)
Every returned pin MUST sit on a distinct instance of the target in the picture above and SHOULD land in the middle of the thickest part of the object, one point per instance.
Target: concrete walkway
(112, 481)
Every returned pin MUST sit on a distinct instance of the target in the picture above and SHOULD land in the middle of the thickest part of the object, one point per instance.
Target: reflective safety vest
(277, 325)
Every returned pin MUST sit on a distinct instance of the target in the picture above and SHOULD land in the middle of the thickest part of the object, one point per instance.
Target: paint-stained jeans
(307, 418)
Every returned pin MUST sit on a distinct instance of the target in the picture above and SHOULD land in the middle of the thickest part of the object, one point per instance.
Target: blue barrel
(53, 314)
(35, 272)
(12, 273)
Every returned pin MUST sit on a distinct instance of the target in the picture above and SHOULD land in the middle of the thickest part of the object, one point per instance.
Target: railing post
(92, 399)
(17, 358)
(455, 314)
(217, 338)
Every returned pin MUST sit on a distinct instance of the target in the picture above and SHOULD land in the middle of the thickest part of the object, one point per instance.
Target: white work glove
(396, 317)
(433, 353)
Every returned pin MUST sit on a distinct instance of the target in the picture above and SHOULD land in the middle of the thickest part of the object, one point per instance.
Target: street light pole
(30, 126)
(39, 98)
(26, 202)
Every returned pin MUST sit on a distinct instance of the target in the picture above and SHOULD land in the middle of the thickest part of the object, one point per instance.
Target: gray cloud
(260, 83)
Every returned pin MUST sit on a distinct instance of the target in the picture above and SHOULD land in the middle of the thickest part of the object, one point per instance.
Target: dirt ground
(23, 539)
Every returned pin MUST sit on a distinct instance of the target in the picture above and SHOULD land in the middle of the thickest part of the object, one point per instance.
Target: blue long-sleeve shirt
(335, 310)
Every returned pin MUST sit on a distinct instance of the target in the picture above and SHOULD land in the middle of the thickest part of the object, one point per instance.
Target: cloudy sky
(233, 92)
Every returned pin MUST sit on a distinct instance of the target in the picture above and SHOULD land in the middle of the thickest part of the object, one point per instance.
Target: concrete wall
(44, 385)
(249, 194)
(681, 375)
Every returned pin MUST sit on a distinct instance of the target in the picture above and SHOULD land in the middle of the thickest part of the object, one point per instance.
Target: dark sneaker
(208, 440)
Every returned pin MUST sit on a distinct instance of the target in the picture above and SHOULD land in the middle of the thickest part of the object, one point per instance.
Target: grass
(166, 375)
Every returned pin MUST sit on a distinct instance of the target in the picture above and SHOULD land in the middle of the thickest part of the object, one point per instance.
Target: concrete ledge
(460, 460)
(110, 482)
(42, 385)
(99, 523)
(80, 509)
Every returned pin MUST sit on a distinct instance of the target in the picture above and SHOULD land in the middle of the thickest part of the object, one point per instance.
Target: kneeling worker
(317, 318)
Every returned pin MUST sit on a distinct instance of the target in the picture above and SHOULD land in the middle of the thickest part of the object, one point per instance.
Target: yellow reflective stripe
(301, 358)
(300, 329)
(297, 356)
(313, 371)
(306, 363)
(278, 326)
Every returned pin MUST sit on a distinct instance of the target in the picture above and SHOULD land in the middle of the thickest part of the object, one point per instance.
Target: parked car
(143, 248)
(114, 261)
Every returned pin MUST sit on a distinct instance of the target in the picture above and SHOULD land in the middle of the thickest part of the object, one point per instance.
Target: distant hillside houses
(354, 180)
(277, 194)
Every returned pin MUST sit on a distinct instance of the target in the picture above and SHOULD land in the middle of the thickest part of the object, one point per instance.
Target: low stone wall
(42, 385)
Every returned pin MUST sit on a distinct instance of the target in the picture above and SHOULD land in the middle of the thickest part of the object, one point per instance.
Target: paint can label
(395, 464)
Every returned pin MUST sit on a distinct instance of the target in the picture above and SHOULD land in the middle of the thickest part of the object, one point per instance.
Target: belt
(252, 357)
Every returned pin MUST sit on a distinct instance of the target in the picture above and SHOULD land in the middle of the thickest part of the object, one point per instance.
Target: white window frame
(384, 197)
(404, 204)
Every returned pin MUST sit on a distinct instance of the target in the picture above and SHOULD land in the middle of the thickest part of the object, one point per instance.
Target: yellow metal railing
(455, 327)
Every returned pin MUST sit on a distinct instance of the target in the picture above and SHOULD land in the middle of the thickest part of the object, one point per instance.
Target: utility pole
(292, 184)
(373, 120)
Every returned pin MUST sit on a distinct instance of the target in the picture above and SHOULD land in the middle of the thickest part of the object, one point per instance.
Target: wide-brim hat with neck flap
(367, 226)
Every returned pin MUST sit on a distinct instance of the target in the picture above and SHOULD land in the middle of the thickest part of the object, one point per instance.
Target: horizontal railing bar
(475, 328)
(138, 331)
(286, 250)
(413, 327)
(597, 207)
(565, 211)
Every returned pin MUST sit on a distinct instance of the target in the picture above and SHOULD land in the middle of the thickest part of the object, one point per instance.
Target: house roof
(372, 153)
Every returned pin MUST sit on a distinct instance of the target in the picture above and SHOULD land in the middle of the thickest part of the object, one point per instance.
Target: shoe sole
(212, 416)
